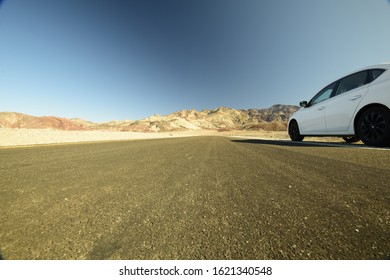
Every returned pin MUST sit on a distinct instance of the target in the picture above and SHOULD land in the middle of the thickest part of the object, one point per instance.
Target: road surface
(194, 198)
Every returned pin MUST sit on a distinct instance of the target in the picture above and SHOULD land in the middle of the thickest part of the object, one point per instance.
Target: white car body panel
(379, 91)
(312, 119)
(341, 109)
(336, 115)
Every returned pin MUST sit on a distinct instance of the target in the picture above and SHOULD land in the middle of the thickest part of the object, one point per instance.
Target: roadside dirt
(10, 137)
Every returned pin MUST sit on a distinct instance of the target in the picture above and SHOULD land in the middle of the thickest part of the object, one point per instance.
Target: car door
(341, 108)
(312, 117)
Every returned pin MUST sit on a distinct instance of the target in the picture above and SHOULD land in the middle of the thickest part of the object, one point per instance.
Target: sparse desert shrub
(269, 126)
(224, 129)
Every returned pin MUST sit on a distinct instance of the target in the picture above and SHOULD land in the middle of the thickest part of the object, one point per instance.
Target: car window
(375, 73)
(324, 94)
(353, 81)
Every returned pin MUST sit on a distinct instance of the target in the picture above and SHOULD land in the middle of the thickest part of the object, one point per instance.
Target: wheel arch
(290, 121)
(361, 111)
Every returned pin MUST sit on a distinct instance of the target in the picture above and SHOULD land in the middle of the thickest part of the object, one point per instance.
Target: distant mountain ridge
(222, 118)
(19, 120)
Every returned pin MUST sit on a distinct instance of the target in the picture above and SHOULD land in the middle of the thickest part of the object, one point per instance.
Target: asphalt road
(194, 198)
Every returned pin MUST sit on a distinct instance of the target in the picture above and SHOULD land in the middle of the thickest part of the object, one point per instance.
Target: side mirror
(303, 104)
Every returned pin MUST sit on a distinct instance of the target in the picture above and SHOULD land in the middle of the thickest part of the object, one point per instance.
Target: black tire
(351, 139)
(373, 127)
(293, 131)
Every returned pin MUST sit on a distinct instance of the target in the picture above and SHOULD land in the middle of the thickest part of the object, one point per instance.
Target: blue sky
(105, 60)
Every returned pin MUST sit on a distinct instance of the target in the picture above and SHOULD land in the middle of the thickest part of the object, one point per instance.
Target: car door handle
(355, 97)
(321, 108)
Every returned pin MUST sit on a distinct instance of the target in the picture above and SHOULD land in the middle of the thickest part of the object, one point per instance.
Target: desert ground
(202, 197)
(23, 137)
(10, 137)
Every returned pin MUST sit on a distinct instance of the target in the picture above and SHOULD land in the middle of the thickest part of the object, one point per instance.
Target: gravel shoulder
(26, 137)
(11, 137)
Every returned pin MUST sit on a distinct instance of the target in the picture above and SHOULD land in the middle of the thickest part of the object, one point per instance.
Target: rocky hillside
(222, 118)
(18, 120)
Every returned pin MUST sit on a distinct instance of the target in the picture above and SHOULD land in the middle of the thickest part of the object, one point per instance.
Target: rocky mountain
(18, 120)
(222, 118)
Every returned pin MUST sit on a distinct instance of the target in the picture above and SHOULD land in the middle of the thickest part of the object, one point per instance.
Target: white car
(355, 107)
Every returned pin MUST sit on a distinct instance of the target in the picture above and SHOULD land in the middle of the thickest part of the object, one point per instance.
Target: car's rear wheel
(373, 127)
(293, 131)
(351, 139)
